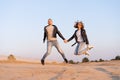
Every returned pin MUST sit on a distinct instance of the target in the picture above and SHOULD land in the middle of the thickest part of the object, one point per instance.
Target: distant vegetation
(11, 57)
(117, 58)
(72, 62)
(85, 60)
(101, 60)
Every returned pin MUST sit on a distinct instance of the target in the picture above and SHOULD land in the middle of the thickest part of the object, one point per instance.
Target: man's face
(50, 22)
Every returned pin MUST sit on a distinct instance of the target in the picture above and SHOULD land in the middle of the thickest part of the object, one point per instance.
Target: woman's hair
(76, 24)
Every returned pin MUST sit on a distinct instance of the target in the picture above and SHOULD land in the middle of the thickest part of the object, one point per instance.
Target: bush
(11, 57)
(117, 58)
(96, 60)
(77, 62)
(101, 60)
(92, 61)
(71, 62)
(85, 59)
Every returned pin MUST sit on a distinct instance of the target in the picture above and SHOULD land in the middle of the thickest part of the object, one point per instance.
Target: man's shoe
(66, 60)
(42, 62)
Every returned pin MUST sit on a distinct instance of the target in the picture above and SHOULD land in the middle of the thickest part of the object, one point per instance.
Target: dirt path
(87, 71)
(113, 76)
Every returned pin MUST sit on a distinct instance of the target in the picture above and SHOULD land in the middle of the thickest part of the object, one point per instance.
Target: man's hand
(65, 41)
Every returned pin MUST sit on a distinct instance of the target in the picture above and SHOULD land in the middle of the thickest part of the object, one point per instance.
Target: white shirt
(79, 36)
(50, 33)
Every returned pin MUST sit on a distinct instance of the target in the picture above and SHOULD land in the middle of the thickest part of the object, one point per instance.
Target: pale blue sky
(22, 23)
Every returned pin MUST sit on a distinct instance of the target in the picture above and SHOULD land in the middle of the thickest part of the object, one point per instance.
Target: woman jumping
(81, 39)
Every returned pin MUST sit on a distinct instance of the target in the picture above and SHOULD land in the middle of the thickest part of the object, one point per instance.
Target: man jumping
(51, 31)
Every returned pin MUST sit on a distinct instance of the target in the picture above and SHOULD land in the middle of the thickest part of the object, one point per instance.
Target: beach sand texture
(109, 70)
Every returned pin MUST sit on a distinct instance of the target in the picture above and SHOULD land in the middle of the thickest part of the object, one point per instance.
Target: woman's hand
(65, 41)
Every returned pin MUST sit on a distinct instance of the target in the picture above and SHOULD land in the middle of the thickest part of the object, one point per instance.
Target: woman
(81, 39)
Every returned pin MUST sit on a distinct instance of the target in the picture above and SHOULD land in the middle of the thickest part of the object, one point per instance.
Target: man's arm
(44, 35)
(59, 33)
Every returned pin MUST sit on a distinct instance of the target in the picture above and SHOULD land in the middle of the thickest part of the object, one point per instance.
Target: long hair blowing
(76, 25)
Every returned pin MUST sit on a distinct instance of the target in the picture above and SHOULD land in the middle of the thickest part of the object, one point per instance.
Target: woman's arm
(73, 36)
(85, 38)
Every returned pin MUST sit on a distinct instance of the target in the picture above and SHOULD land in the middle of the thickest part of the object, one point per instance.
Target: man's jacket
(55, 32)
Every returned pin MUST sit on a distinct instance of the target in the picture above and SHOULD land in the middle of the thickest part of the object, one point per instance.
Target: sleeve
(85, 37)
(45, 34)
(73, 36)
(59, 33)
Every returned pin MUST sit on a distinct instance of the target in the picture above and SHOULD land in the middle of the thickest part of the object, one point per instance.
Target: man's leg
(56, 44)
(49, 47)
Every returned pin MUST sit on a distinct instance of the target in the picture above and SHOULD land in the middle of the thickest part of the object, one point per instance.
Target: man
(51, 31)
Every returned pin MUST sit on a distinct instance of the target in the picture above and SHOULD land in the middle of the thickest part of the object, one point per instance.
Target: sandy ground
(84, 71)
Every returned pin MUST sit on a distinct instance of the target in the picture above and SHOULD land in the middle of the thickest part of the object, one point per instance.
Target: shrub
(96, 60)
(11, 57)
(117, 58)
(101, 60)
(71, 62)
(92, 61)
(77, 62)
(85, 59)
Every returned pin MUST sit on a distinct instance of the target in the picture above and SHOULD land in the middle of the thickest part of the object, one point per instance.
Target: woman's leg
(77, 49)
(82, 48)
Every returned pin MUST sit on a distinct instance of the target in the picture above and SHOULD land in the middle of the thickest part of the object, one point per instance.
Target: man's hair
(49, 19)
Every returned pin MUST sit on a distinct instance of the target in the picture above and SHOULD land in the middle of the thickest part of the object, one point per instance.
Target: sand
(109, 70)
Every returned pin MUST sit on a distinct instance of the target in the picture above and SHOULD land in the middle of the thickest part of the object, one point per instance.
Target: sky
(22, 23)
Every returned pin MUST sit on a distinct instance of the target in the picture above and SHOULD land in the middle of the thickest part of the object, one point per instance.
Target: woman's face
(80, 25)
